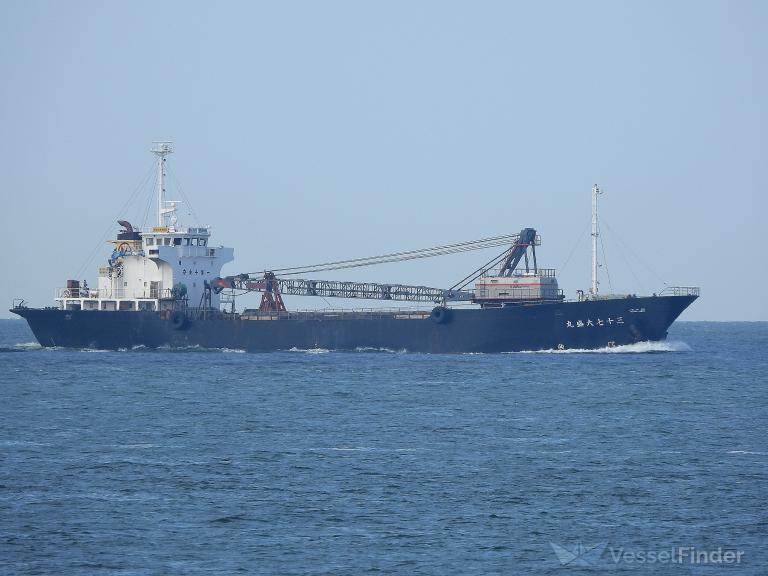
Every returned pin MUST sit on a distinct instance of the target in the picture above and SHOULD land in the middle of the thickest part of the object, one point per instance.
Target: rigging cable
(605, 263)
(110, 227)
(184, 197)
(150, 199)
(472, 276)
(633, 253)
(573, 250)
(482, 243)
(630, 268)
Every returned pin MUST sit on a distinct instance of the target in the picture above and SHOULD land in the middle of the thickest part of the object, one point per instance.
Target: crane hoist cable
(490, 242)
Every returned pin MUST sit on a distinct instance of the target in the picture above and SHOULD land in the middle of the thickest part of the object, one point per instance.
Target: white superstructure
(154, 269)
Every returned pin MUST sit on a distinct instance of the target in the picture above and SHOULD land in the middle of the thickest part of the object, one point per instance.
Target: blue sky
(314, 131)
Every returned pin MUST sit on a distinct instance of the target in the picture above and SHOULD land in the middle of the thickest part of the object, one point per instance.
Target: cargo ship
(162, 287)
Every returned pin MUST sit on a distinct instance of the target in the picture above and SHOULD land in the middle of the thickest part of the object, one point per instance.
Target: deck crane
(273, 287)
(526, 239)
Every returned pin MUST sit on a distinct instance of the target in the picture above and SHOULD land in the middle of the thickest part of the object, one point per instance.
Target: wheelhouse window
(177, 241)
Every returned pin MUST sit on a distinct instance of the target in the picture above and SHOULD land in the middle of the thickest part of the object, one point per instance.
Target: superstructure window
(177, 241)
(203, 242)
(186, 241)
(150, 241)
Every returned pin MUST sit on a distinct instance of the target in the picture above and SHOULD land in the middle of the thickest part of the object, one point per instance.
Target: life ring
(440, 315)
(179, 320)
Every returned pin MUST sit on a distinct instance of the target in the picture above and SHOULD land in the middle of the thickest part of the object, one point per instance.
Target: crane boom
(337, 289)
(272, 287)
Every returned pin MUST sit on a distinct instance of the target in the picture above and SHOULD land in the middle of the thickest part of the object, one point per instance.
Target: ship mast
(595, 234)
(161, 150)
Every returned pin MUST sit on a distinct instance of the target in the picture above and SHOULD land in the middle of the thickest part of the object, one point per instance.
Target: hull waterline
(587, 324)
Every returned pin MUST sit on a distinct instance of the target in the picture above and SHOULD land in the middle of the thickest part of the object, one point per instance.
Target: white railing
(681, 291)
(111, 294)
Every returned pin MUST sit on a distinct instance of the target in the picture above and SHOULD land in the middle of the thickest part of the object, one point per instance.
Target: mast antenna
(161, 150)
(595, 233)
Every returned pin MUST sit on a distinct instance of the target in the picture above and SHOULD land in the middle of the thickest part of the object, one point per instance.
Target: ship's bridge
(168, 236)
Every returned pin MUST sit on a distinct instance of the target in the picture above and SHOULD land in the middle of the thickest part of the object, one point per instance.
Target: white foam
(637, 348)
(193, 348)
(374, 349)
(27, 345)
(163, 348)
(310, 350)
(747, 452)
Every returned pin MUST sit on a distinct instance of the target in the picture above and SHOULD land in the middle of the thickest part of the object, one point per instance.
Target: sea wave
(637, 348)
(374, 349)
(197, 348)
(137, 348)
(310, 350)
(27, 346)
(182, 349)
(21, 347)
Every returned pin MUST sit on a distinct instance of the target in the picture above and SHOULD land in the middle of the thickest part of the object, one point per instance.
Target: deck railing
(92, 293)
(681, 291)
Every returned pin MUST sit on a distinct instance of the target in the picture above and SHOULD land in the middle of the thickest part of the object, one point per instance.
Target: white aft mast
(161, 150)
(595, 233)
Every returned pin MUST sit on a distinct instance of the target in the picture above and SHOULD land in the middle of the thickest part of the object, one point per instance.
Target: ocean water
(375, 462)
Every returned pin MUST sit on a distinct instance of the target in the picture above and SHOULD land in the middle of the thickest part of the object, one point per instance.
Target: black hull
(565, 325)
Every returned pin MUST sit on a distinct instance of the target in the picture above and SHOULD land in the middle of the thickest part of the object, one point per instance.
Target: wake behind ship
(162, 287)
